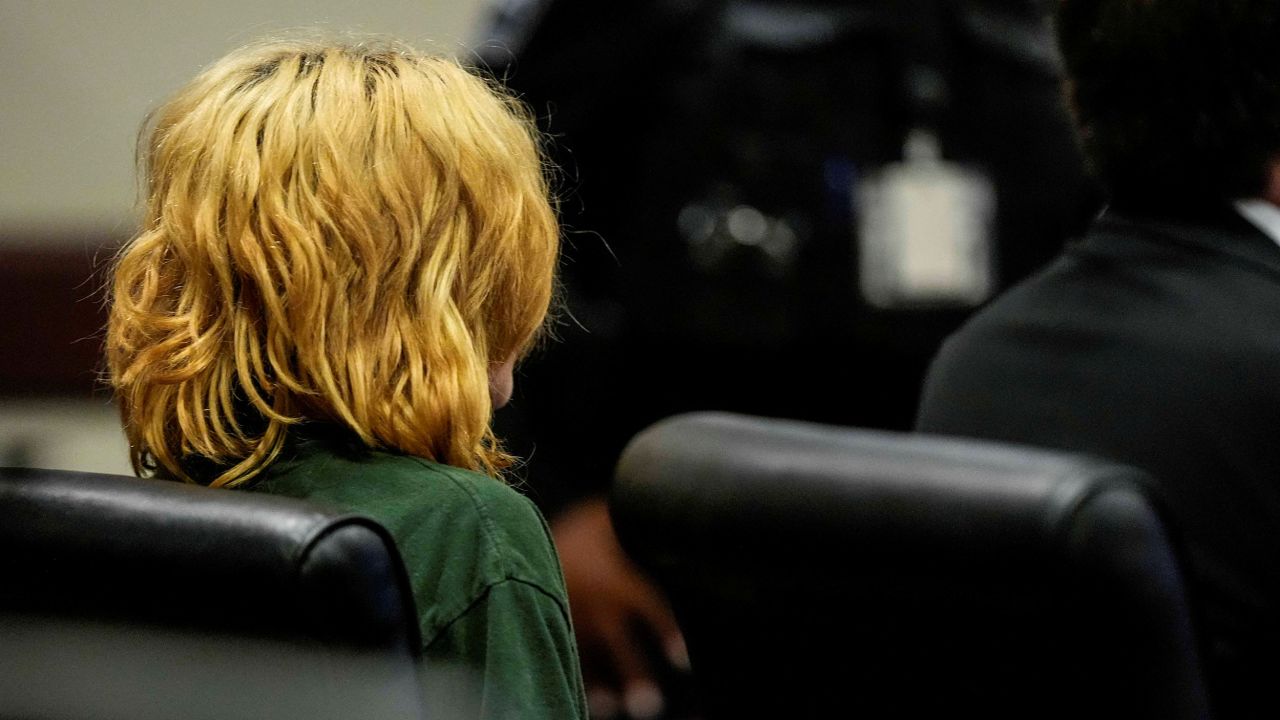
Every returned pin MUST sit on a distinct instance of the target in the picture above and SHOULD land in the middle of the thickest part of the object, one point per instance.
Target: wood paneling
(51, 319)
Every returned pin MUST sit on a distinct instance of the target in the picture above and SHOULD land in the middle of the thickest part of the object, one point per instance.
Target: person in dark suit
(711, 152)
(1155, 340)
(716, 147)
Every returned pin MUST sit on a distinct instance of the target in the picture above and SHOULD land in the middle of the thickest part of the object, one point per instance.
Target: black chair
(829, 572)
(126, 598)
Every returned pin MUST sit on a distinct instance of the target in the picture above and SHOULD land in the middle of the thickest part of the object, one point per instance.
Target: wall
(78, 77)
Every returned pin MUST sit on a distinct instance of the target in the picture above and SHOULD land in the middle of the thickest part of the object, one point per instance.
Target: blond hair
(349, 233)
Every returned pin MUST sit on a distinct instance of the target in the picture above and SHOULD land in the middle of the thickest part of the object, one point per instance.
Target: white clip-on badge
(924, 231)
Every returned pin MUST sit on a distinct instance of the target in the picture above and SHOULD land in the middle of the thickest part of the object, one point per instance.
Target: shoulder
(515, 535)
(1169, 310)
(1031, 314)
(1140, 282)
(460, 532)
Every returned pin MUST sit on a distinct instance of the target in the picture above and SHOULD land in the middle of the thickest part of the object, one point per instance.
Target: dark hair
(1178, 101)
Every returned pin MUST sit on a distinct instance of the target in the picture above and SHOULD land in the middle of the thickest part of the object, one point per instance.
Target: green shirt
(497, 641)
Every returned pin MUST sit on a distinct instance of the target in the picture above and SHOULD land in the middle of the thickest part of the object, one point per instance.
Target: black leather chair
(834, 572)
(126, 598)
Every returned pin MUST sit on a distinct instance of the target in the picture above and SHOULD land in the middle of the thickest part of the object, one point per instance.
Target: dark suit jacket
(1155, 343)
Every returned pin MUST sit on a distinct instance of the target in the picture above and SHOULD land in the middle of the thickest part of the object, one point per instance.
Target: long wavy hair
(347, 233)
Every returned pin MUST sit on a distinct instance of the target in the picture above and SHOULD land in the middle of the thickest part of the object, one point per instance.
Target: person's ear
(1271, 186)
(501, 381)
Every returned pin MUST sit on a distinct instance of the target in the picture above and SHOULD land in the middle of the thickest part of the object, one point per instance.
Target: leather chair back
(821, 571)
(132, 598)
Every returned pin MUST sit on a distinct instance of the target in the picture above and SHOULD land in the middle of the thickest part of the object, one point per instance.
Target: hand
(617, 613)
